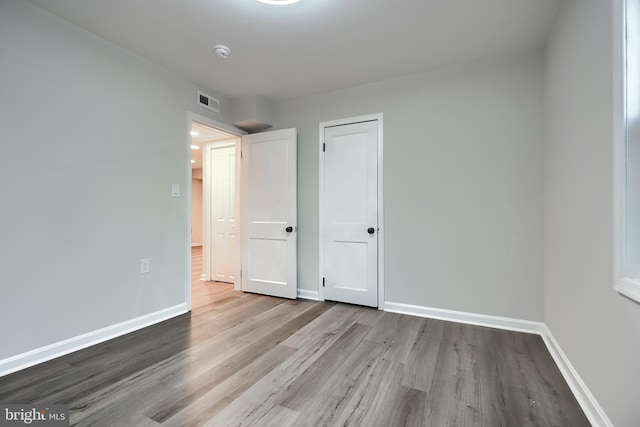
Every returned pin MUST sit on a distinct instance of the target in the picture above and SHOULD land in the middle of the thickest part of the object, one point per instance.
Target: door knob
(289, 229)
(371, 230)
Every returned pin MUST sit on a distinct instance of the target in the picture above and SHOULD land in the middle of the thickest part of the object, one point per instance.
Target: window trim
(625, 286)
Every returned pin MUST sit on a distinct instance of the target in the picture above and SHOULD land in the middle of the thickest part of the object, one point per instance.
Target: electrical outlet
(145, 266)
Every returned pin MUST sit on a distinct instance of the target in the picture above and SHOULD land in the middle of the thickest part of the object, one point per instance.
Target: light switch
(175, 190)
(145, 266)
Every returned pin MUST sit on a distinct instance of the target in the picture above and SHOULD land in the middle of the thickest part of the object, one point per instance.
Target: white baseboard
(193, 245)
(51, 351)
(312, 295)
(468, 318)
(585, 398)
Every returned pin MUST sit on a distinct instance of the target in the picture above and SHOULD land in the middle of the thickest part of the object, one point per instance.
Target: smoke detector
(222, 51)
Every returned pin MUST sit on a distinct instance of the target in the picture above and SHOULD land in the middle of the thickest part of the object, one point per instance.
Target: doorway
(205, 254)
(351, 223)
(257, 232)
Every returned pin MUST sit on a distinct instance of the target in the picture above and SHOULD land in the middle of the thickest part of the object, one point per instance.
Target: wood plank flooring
(250, 360)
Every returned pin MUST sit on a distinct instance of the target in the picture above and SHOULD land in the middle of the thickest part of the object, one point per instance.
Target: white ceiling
(313, 46)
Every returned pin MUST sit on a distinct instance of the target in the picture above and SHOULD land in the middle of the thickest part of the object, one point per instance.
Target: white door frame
(191, 117)
(207, 241)
(340, 122)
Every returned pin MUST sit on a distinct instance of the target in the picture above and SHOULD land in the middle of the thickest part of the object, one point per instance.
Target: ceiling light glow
(195, 147)
(279, 2)
(193, 161)
(194, 133)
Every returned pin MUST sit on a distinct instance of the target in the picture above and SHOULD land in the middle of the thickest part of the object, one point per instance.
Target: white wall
(463, 183)
(91, 139)
(597, 328)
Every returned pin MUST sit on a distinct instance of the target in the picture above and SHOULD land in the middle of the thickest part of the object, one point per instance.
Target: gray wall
(91, 139)
(598, 329)
(462, 182)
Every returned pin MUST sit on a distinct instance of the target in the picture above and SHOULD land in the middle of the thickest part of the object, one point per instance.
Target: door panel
(350, 209)
(348, 178)
(221, 257)
(348, 261)
(223, 215)
(269, 182)
(269, 194)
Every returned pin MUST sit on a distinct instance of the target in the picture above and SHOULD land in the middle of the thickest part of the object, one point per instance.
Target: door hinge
(323, 282)
(324, 147)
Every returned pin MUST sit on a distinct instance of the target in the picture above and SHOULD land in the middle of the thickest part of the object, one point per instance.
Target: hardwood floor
(250, 360)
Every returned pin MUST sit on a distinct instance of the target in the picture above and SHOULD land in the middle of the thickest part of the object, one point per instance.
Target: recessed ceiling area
(313, 46)
(201, 135)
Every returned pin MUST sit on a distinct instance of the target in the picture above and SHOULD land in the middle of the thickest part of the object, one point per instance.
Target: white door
(349, 209)
(269, 219)
(220, 172)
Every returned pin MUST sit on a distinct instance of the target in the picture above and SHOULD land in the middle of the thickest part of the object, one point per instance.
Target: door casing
(321, 221)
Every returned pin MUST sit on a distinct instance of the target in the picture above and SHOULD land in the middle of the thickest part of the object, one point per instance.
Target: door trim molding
(381, 229)
(194, 117)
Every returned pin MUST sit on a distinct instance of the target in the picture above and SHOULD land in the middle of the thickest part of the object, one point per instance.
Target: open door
(269, 214)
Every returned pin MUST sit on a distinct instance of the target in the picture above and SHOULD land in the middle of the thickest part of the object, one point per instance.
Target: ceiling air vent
(208, 101)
